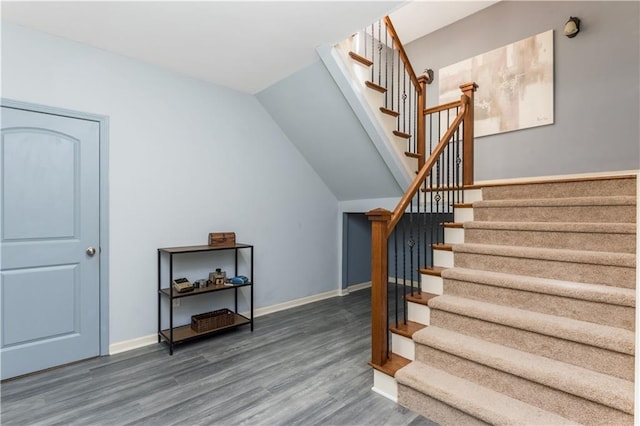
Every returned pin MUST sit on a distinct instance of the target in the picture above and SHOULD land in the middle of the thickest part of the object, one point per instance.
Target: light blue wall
(186, 158)
(597, 78)
(313, 112)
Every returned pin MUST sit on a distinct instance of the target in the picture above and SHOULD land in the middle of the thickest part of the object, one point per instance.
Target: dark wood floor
(303, 366)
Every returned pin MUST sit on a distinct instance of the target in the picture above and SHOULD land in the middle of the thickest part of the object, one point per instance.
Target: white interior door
(49, 274)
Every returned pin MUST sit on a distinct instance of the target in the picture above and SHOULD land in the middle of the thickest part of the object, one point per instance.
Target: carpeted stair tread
(597, 387)
(578, 227)
(575, 290)
(619, 185)
(577, 235)
(478, 401)
(601, 336)
(558, 202)
(627, 260)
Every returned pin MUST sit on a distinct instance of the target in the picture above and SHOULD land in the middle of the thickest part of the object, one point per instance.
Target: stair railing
(400, 238)
(391, 73)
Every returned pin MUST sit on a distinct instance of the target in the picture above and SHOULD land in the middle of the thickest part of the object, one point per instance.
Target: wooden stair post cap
(379, 214)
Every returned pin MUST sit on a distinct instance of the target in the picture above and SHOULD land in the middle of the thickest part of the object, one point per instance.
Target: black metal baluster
(393, 58)
(379, 53)
(364, 41)
(404, 268)
(398, 94)
(386, 65)
(373, 53)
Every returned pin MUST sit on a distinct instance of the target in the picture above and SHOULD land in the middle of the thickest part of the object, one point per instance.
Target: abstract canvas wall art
(515, 85)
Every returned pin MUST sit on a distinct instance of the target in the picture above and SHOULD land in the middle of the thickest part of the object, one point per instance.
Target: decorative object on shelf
(222, 239)
(182, 285)
(572, 27)
(211, 320)
(202, 283)
(218, 277)
(241, 279)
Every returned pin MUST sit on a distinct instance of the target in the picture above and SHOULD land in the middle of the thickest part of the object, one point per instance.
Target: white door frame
(103, 122)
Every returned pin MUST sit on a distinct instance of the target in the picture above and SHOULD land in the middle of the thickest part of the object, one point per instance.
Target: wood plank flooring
(303, 366)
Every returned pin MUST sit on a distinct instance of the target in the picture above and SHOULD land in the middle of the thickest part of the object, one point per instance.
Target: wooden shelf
(177, 334)
(176, 295)
(185, 332)
(193, 249)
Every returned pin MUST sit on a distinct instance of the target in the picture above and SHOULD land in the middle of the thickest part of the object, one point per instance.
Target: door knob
(91, 251)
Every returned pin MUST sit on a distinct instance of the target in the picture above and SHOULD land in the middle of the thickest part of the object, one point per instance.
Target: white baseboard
(401, 281)
(293, 303)
(355, 287)
(556, 177)
(139, 342)
(127, 345)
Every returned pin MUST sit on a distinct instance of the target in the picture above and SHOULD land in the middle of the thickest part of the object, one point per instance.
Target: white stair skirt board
(454, 235)
(432, 284)
(385, 385)
(463, 214)
(418, 313)
(403, 346)
(471, 195)
(443, 258)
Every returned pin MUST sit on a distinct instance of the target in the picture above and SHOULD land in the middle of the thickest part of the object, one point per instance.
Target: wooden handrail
(442, 107)
(426, 169)
(403, 55)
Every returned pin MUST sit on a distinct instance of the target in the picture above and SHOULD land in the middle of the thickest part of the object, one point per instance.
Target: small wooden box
(222, 239)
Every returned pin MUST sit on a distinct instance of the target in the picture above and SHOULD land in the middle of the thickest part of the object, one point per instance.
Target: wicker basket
(211, 320)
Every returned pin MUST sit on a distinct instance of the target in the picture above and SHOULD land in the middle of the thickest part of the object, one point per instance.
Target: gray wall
(596, 85)
(237, 171)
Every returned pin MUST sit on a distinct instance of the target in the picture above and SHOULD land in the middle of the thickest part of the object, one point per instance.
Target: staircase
(535, 323)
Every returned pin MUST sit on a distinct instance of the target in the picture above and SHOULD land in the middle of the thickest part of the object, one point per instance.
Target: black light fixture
(572, 27)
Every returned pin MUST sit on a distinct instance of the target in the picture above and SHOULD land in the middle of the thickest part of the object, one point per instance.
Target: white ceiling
(244, 45)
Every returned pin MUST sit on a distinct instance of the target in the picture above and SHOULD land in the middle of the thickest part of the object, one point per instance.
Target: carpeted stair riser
(584, 310)
(619, 276)
(433, 409)
(556, 401)
(586, 188)
(593, 241)
(593, 358)
(486, 211)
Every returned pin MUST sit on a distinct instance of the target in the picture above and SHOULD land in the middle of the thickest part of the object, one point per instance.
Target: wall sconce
(429, 73)
(572, 27)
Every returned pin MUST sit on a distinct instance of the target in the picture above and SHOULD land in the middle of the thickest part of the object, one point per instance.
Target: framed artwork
(515, 85)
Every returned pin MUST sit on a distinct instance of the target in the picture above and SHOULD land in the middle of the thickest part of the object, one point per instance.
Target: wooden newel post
(422, 104)
(467, 149)
(379, 223)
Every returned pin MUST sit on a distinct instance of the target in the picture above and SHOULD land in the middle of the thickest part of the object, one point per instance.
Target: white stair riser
(403, 346)
(432, 284)
(418, 313)
(471, 195)
(443, 258)
(454, 235)
(385, 385)
(463, 214)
